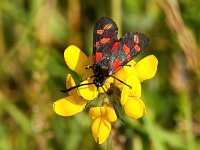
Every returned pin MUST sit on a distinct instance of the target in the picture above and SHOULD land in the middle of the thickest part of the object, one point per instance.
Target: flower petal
(101, 130)
(106, 85)
(110, 80)
(87, 72)
(147, 67)
(135, 91)
(88, 92)
(121, 74)
(134, 82)
(124, 73)
(134, 108)
(75, 59)
(110, 114)
(105, 112)
(96, 112)
(69, 106)
(70, 83)
(124, 95)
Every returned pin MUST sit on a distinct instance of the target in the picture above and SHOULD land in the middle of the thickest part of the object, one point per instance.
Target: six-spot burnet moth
(110, 54)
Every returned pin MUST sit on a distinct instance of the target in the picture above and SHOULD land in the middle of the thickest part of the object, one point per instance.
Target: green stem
(116, 14)
(185, 102)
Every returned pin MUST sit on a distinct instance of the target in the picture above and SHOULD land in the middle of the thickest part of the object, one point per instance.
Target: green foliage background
(33, 36)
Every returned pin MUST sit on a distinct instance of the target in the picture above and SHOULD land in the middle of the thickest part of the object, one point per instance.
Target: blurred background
(33, 37)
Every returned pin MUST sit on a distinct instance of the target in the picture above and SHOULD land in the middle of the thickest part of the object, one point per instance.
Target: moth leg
(107, 84)
(128, 65)
(88, 67)
(90, 77)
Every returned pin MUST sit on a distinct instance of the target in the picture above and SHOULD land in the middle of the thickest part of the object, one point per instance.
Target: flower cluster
(132, 74)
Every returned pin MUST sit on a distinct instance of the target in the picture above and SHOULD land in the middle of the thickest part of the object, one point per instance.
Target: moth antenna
(71, 88)
(121, 81)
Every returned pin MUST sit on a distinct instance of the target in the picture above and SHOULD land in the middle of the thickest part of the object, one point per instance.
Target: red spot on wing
(97, 44)
(115, 45)
(137, 47)
(128, 57)
(117, 65)
(100, 31)
(105, 40)
(98, 56)
(136, 39)
(108, 26)
(126, 49)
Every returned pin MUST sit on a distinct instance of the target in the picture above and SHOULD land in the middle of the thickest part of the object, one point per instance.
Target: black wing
(104, 36)
(111, 52)
(125, 49)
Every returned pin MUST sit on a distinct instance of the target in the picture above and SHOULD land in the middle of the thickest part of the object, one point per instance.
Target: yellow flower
(144, 69)
(130, 98)
(147, 67)
(71, 104)
(77, 61)
(132, 74)
(101, 127)
(135, 91)
(90, 92)
(134, 107)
